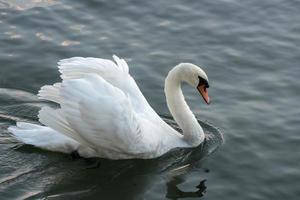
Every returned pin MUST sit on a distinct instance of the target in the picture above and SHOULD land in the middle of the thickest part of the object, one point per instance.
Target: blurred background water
(249, 49)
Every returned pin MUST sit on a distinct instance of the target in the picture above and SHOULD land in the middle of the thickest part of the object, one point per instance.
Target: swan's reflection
(132, 179)
(173, 192)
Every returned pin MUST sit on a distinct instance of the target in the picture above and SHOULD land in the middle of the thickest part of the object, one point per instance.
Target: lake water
(250, 51)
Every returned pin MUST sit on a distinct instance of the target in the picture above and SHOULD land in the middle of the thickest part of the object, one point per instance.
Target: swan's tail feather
(20, 131)
(43, 137)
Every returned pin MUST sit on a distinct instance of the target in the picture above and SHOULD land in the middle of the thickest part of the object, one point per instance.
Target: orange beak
(204, 93)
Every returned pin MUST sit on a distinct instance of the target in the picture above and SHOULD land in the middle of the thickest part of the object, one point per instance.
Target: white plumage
(103, 113)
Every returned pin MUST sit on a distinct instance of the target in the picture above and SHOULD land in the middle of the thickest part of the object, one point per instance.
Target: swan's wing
(116, 73)
(100, 114)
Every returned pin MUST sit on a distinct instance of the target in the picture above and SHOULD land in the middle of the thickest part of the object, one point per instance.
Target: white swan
(103, 113)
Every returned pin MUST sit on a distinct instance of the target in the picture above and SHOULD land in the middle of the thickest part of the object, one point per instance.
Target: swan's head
(196, 77)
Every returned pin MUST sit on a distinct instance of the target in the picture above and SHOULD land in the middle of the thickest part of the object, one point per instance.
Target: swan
(101, 112)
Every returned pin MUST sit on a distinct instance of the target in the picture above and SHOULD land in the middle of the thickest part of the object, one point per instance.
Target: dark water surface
(250, 51)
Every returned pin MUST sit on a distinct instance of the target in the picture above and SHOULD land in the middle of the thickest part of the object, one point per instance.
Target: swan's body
(104, 114)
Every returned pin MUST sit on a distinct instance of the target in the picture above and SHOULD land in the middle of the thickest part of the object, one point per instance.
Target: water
(249, 49)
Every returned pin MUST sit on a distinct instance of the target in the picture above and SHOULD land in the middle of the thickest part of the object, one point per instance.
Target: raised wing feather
(101, 115)
(117, 74)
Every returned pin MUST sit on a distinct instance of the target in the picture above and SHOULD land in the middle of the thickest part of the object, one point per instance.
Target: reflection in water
(132, 179)
(173, 192)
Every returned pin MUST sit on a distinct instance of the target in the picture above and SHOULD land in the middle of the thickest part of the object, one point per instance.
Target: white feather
(103, 113)
(116, 74)
(50, 93)
(43, 137)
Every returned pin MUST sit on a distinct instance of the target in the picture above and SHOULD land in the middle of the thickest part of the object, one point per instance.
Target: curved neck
(192, 131)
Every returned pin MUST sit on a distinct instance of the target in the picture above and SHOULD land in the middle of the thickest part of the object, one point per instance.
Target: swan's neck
(192, 131)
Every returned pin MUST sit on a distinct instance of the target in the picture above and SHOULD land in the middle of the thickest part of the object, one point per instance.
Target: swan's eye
(203, 81)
